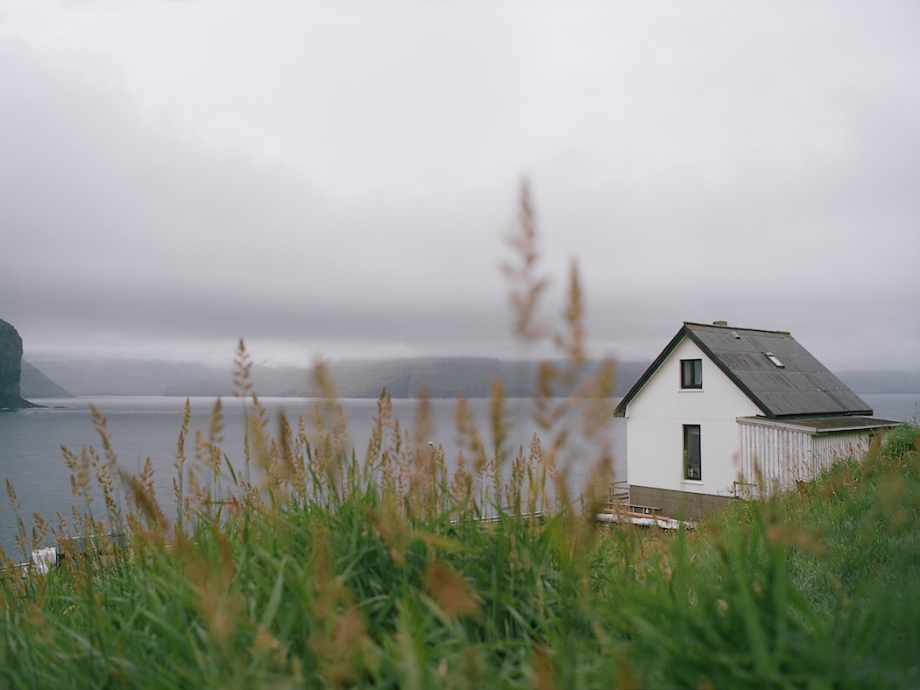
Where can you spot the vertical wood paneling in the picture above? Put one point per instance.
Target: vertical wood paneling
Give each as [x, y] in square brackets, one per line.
[775, 457]
[831, 448]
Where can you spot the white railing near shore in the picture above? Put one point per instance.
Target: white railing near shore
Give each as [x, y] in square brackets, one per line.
[42, 560]
[618, 493]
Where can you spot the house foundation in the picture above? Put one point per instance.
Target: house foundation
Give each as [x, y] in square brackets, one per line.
[677, 504]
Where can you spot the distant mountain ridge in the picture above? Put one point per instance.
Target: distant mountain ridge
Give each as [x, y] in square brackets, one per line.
[442, 377]
[125, 377]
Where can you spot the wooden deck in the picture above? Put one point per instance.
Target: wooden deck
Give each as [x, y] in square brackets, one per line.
[620, 509]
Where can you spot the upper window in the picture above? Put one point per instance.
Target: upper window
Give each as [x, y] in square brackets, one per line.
[691, 373]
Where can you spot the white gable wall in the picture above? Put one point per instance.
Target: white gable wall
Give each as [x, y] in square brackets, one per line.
[655, 419]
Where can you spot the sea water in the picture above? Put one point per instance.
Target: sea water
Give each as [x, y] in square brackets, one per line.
[144, 427]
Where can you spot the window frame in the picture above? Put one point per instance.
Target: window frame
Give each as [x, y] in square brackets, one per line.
[689, 465]
[776, 361]
[693, 367]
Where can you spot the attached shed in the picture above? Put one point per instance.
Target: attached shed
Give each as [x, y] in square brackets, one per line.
[776, 453]
[728, 412]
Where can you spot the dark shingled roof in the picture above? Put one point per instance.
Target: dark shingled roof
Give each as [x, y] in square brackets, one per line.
[802, 387]
[825, 425]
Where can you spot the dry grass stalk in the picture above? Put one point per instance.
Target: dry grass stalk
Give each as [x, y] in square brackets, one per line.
[179, 464]
[145, 499]
[526, 289]
[107, 471]
[393, 525]
[449, 590]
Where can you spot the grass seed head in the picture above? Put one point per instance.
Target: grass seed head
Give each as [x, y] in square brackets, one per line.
[448, 588]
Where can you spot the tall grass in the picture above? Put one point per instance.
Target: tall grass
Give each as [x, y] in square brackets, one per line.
[308, 567]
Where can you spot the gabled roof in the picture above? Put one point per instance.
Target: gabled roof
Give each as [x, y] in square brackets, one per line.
[794, 385]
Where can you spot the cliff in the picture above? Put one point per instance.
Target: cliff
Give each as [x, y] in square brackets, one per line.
[10, 368]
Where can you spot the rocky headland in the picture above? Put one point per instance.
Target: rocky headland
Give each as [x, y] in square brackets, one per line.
[10, 368]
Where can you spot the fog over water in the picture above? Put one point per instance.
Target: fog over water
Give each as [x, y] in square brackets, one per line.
[338, 179]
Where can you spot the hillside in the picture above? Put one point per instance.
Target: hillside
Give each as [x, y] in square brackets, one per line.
[34, 384]
[126, 377]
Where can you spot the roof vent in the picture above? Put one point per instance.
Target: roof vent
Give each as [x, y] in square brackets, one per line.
[735, 335]
[720, 323]
[773, 358]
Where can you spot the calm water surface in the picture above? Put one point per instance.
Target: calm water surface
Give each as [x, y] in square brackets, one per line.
[142, 427]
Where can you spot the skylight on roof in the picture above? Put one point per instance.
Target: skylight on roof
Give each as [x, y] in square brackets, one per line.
[773, 358]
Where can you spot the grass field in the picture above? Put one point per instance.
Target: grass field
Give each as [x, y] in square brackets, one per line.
[335, 573]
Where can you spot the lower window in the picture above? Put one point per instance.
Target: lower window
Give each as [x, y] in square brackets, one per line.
[693, 468]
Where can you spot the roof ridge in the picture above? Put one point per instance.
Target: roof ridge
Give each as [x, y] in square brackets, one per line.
[736, 328]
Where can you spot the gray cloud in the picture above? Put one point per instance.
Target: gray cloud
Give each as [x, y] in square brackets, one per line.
[340, 181]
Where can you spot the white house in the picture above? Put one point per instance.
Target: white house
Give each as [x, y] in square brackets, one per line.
[729, 412]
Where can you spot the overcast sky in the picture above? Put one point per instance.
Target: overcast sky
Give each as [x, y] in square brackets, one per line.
[338, 178]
